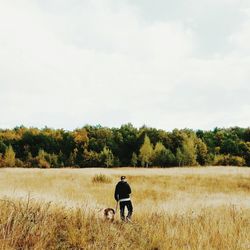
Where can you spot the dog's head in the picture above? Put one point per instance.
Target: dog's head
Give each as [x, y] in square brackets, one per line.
[109, 214]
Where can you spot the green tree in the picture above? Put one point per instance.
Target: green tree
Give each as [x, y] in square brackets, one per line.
[52, 159]
[2, 147]
[126, 142]
[72, 157]
[9, 157]
[201, 150]
[162, 156]
[180, 157]
[91, 158]
[146, 152]
[244, 148]
[107, 157]
[189, 152]
[41, 160]
[158, 157]
[229, 146]
[134, 159]
[1, 161]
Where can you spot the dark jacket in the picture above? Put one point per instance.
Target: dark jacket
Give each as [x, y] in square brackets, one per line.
[122, 190]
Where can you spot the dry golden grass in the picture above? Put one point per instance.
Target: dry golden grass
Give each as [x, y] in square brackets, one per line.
[101, 178]
[179, 208]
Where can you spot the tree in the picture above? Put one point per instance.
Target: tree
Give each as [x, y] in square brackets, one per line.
[126, 143]
[72, 157]
[80, 136]
[244, 148]
[9, 157]
[91, 158]
[134, 159]
[2, 147]
[189, 152]
[52, 159]
[201, 150]
[159, 155]
[1, 160]
[107, 157]
[146, 152]
[179, 157]
[229, 146]
[41, 161]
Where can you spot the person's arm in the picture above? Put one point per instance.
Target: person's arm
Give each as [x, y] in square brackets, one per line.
[129, 189]
[116, 195]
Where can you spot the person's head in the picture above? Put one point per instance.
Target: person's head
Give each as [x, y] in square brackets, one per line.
[123, 178]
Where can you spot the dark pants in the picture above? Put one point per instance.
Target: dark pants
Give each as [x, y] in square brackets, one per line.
[129, 206]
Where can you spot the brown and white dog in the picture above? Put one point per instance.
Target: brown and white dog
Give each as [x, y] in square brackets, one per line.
[109, 214]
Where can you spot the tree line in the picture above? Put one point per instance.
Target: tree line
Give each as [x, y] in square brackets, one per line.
[97, 146]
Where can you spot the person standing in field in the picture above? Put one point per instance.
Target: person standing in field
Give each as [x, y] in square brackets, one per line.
[122, 195]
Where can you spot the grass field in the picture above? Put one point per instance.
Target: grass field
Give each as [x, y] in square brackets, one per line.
[176, 208]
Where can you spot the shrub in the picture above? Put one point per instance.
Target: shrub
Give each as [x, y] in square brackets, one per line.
[101, 178]
[43, 164]
[20, 163]
[229, 160]
[52, 159]
[237, 161]
[43, 160]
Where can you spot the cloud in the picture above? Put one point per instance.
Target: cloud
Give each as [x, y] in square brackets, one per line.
[65, 64]
[241, 38]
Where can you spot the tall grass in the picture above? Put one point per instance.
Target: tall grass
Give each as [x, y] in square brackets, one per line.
[101, 178]
[173, 209]
[30, 225]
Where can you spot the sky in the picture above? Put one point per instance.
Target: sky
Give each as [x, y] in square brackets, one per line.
[163, 63]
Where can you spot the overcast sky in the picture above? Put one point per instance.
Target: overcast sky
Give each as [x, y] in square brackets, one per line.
[164, 63]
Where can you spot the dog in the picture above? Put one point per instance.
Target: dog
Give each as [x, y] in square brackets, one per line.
[109, 214]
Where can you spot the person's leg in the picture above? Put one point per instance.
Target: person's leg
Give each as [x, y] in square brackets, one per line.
[122, 208]
[130, 209]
